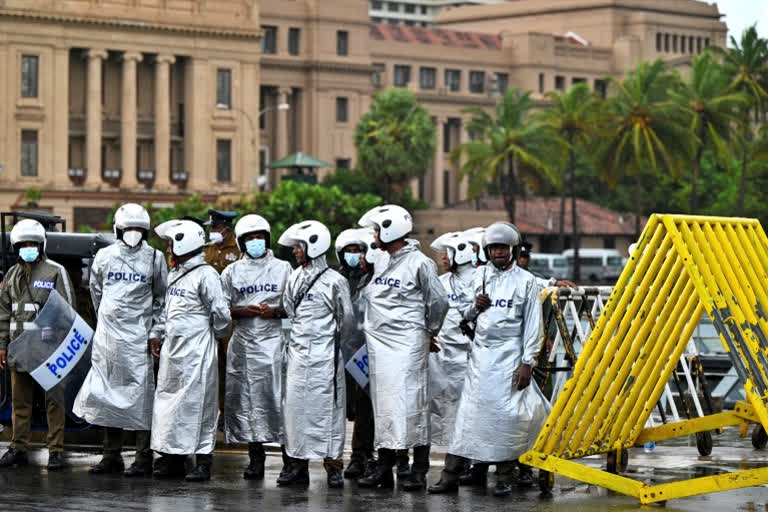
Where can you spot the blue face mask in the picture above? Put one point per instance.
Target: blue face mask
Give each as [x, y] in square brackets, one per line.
[352, 259]
[256, 247]
[474, 259]
[29, 254]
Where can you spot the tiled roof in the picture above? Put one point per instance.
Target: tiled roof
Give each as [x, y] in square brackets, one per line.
[438, 36]
[541, 216]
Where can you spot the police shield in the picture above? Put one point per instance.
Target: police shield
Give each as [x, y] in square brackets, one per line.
[56, 350]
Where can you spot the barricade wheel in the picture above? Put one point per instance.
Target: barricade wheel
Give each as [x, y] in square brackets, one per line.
[546, 482]
[704, 443]
[759, 437]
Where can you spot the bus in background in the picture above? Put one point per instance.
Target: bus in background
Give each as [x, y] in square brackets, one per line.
[548, 264]
[596, 265]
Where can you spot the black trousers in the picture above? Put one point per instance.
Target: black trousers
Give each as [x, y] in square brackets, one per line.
[113, 444]
[388, 458]
[455, 464]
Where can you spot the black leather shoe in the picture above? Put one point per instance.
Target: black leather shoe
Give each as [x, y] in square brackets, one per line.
[201, 473]
[335, 479]
[476, 476]
[286, 469]
[138, 469]
[105, 465]
[296, 475]
[381, 477]
[356, 469]
[415, 482]
[255, 470]
[502, 490]
[168, 467]
[56, 461]
[14, 458]
[443, 486]
[403, 469]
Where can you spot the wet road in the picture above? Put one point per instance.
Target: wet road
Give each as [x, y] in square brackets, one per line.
[73, 489]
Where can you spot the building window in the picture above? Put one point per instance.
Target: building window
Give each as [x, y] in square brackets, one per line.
[578, 80]
[410, 8]
[666, 42]
[502, 83]
[29, 153]
[224, 89]
[424, 11]
[223, 160]
[477, 81]
[658, 41]
[453, 80]
[342, 42]
[690, 44]
[427, 78]
[674, 43]
[393, 7]
[269, 39]
[29, 76]
[609, 242]
[294, 38]
[706, 43]
[447, 136]
[376, 4]
[560, 82]
[342, 106]
[698, 45]
[402, 75]
[342, 163]
[600, 87]
[377, 20]
[541, 82]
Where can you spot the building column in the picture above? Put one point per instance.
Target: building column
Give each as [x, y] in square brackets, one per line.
[59, 165]
[163, 121]
[282, 126]
[129, 176]
[439, 165]
[96, 59]
[463, 182]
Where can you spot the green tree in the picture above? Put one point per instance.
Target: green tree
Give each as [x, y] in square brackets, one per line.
[353, 182]
[746, 63]
[712, 107]
[571, 117]
[644, 130]
[395, 141]
[502, 141]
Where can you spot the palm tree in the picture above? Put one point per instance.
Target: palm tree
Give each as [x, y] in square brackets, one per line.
[571, 117]
[501, 141]
[713, 109]
[747, 65]
[643, 129]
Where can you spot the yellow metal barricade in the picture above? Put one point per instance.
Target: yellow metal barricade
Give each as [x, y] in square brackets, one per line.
[683, 266]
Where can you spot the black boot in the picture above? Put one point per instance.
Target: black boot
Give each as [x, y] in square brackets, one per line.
[169, 466]
[297, 474]
[106, 465]
[502, 489]
[56, 461]
[380, 477]
[335, 479]
[255, 469]
[202, 470]
[477, 475]
[139, 468]
[524, 476]
[356, 469]
[415, 482]
[14, 458]
[403, 467]
[444, 486]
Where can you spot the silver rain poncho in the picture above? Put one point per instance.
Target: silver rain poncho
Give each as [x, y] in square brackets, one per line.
[453, 356]
[255, 353]
[186, 408]
[128, 292]
[492, 414]
[313, 402]
[406, 307]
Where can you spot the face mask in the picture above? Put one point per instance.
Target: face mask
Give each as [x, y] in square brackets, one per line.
[132, 238]
[256, 248]
[216, 237]
[29, 254]
[474, 259]
[352, 259]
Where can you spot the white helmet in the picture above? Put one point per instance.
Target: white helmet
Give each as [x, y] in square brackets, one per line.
[350, 237]
[457, 246]
[186, 236]
[28, 230]
[313, 234]
[475, 237]
[501, 233]
[249, 224]
[131, 215]
[394, 222]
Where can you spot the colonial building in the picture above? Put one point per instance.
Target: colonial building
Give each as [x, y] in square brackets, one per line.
[421, 13]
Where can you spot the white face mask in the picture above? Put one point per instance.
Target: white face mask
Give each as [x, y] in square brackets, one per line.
[132, 238]
[215, 237]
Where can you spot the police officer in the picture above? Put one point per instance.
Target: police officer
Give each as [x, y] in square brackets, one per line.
[25, 290]
[186, 408]
[253, 286]
[317, 301]
[507, 309]
[406, 305]
[127, 282]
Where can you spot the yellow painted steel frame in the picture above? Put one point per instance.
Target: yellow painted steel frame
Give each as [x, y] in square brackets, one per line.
[682, 267]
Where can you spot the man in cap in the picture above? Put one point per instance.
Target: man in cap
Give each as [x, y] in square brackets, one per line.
[317, 301]
[253, 287]
[24, 292]
[405, 309]
[507, 310]
[127, 283]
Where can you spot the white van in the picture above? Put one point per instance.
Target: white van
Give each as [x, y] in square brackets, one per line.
[548, 264]
[596, 264]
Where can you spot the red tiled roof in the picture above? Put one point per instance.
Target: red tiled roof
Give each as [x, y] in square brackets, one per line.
[541, 216]
[407, 34]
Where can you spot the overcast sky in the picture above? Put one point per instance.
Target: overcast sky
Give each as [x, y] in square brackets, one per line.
[740, 14]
